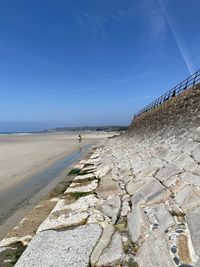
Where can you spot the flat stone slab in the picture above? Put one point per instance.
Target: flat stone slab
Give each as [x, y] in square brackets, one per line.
[155, 252]
[188, 198]
[111, 208]
[191, 178]
[101, 172]
[82, 187]
[133, 186]
[167, 172]
[6, 242]
[66, 215]
[151, 193]
[71, 248]
[102, 244]
[112, 255]
[137, 223]
[163, 216]
[196, 153]
[193, 219]
[88, 169]
[107, 188]
[84, 177]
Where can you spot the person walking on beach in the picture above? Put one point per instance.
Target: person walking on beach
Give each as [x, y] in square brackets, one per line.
[79, 138]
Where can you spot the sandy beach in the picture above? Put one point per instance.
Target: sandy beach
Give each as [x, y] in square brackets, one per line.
[25, 155]
[27, 162]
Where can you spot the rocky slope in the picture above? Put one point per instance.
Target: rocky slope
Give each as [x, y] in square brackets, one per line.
[135, 202]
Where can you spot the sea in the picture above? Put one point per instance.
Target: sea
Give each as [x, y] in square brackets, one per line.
[18, 133]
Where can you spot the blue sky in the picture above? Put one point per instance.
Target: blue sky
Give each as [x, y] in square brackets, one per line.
[91, 62]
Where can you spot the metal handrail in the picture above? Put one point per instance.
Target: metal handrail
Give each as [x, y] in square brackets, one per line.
[176, 90]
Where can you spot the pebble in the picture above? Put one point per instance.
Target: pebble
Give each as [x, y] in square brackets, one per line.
[179, 231]
[174, 249]
[176, 259]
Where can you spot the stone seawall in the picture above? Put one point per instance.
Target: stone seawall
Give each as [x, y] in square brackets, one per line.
[176, 116]
[134, 203]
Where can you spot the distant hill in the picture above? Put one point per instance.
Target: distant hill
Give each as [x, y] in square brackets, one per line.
[88, 128]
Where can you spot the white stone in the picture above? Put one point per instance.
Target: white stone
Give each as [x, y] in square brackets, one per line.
[84, 177]
[66, 215]
[111, 207]
[193, 219]
[113, 254]
[84, 188]
[137, 225]
[102, 171]
[191, 178]
[61, 248]
[155, 251]
[163, 216]
[167, 172]
[102, 244]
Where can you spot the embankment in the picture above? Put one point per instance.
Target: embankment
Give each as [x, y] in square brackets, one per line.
[177, 116]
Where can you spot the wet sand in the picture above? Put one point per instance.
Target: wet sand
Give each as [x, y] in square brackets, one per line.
[31, 166]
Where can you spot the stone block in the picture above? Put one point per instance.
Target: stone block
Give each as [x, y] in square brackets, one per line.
[163, 216]
[193, 219]
[112, 256]
[82, 187]
[61, 248]
[196, 153]
[102, 244]
[102, 171]
[107, 188]
[111, 207]
[65, 215]
[155, 251]
[191, 178]
[137, 223]
[167, 172]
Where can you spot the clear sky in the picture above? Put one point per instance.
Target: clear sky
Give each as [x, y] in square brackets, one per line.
[91, 62]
